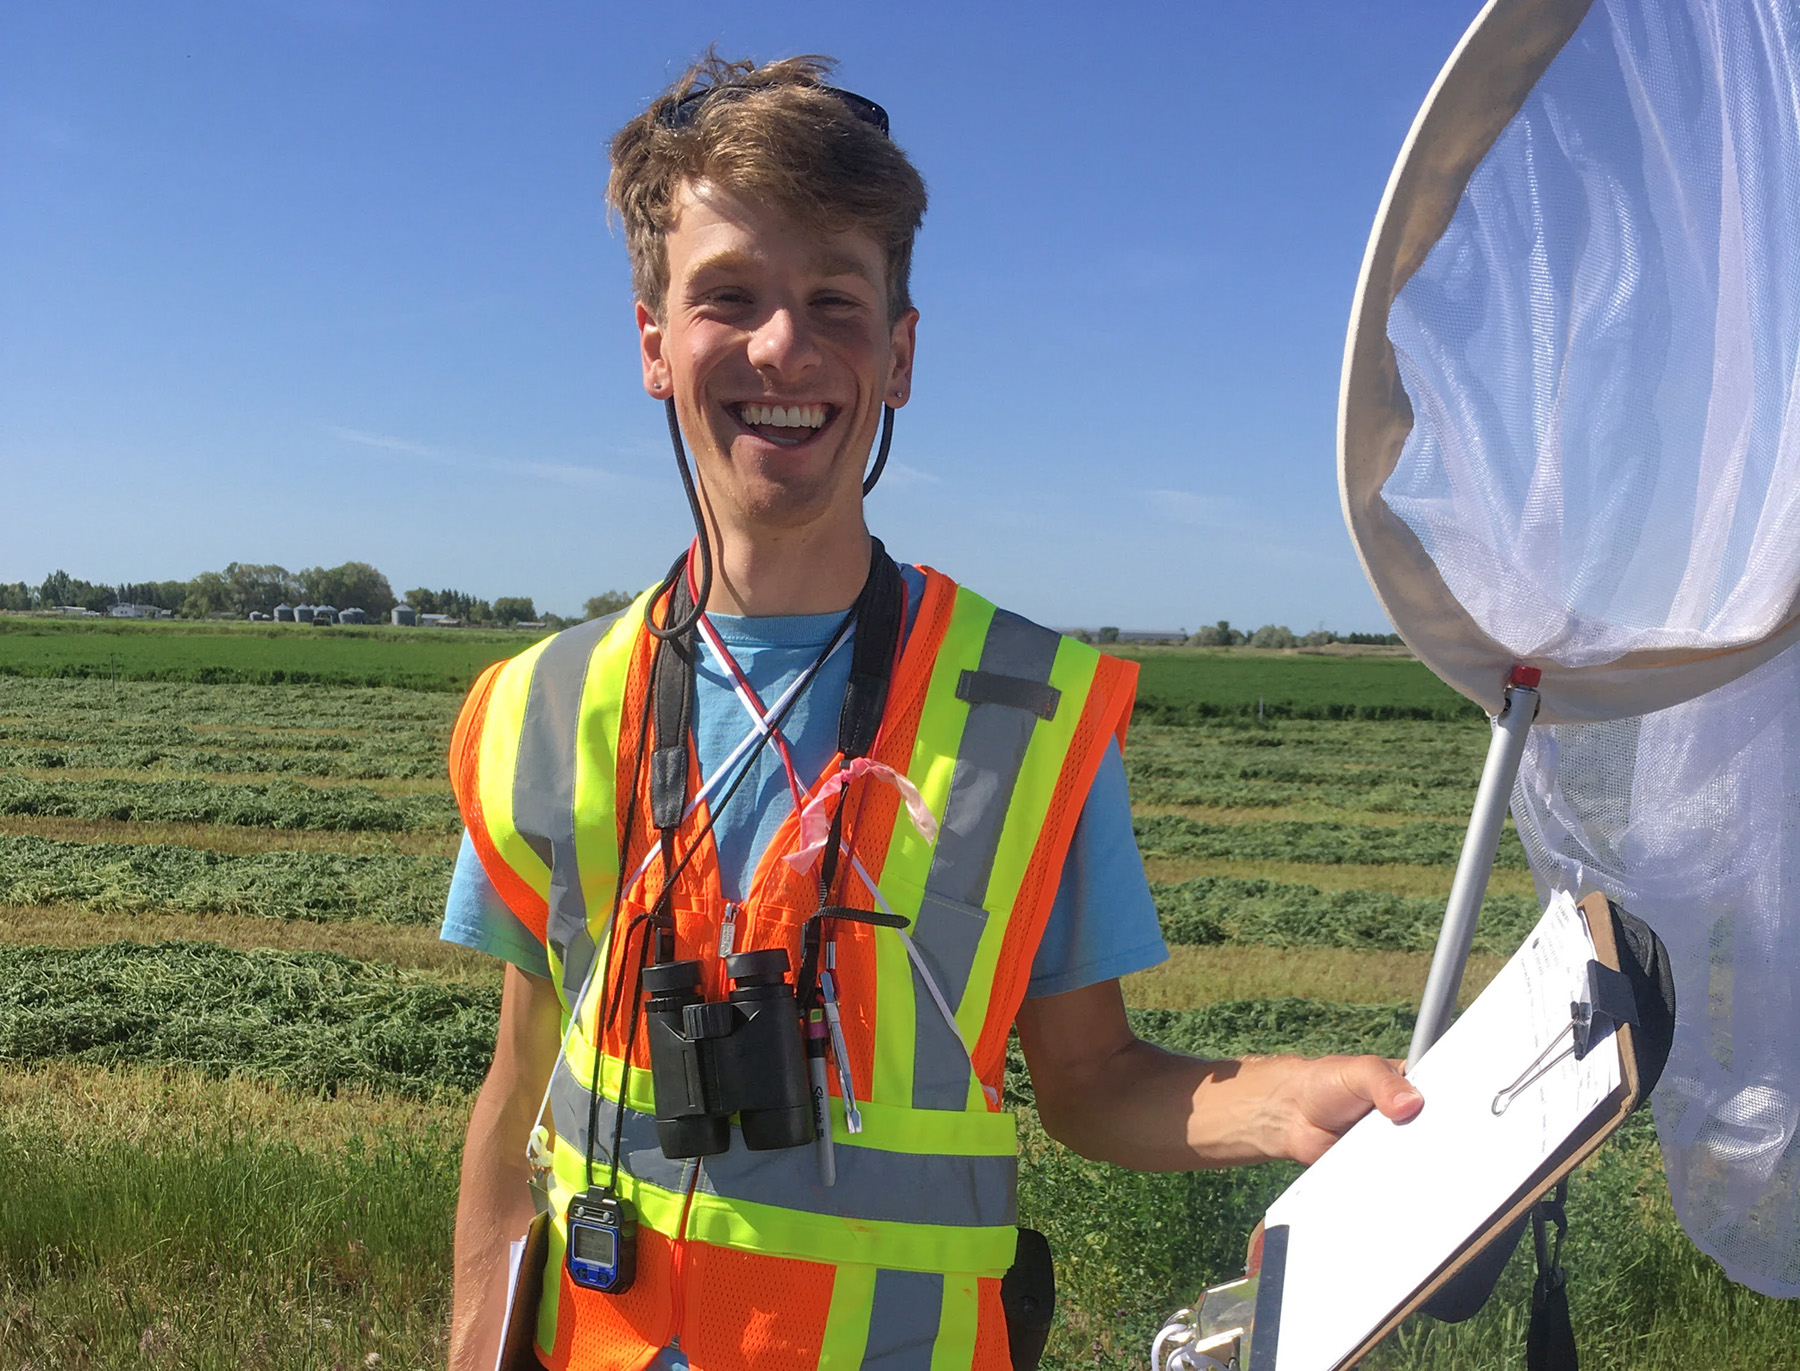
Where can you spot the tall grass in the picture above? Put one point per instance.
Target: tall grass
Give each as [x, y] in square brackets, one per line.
[208, 1249]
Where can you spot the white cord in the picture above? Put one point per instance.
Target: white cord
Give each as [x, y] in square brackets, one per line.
[758, 732]
[918, 961]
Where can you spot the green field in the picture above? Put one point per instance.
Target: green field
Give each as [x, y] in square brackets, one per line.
[225, 653]
[1189, 685]
[236, 1063]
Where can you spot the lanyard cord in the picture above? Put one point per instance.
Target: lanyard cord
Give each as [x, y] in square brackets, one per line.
[748, 697]
[649, 919]
[713, 782]
[605, 1012]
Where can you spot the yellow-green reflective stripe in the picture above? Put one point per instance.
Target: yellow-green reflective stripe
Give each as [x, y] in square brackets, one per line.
[751, 1227]
[656, 1206]
[909, 856]
[1051, 739]
[497, 760]
[957, 1323]
[847, 1323]
[822, 1238]
[596, 761]
[557, 1240]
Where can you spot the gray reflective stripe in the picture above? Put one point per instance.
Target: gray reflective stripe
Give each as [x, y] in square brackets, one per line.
[903, 1321]
[988, 759]
[872, 1186]
[544, 785]
[642, 1155]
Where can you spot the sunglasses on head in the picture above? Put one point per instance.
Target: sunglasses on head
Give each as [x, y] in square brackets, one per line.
[685, 110]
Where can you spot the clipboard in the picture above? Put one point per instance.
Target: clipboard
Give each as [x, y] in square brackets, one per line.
[524, 1290]
[1601, 1123]
[1239, 1324]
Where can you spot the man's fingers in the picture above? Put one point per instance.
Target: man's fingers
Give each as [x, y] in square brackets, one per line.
[1389, 1091]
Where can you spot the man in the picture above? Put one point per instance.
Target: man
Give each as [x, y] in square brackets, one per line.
[917, 799]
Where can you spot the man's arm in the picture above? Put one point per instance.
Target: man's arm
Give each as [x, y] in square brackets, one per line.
[1107, 1094]
[494, 1205]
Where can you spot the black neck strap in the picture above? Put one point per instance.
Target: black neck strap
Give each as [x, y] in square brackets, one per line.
[877, 615]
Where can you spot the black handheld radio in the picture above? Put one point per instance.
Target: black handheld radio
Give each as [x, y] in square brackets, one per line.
[602, 1251]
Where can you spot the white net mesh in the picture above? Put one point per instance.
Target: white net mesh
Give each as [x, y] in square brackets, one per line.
[1602, 354]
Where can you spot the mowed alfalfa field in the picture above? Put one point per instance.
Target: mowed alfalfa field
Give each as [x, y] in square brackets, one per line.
[236, 1062]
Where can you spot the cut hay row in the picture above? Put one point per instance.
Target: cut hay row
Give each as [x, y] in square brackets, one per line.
[292, 713]
[1327, 843]
[1195, 976]
[124, 878]
[1224, 909]
[277, 804]
[227, 837]
[315, 1021]
[348, 764]
[412, 946]
[308, 1020]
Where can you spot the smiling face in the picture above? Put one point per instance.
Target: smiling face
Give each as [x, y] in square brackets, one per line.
[776, 345]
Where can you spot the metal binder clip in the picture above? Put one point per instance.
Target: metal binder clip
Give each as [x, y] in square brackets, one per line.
[1609, 997]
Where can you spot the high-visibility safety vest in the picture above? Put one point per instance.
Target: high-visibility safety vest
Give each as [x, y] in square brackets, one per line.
[745, 1260]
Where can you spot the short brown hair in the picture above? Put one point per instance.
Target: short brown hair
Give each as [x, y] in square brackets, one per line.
[775, 133]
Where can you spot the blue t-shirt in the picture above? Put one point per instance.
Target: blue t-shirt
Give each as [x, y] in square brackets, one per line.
[1102, 925]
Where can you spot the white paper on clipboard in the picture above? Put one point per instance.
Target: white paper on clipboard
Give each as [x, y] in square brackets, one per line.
[515, 1258]
[1390, 1204]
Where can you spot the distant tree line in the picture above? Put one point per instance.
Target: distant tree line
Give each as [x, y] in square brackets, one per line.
[245, 588]
[1222, 634]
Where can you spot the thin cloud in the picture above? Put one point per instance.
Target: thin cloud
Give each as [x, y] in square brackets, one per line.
[45, 131]
[902, 477]
[1214, 513]
[558, 473]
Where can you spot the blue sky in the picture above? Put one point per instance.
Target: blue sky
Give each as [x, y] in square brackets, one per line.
[304, 281]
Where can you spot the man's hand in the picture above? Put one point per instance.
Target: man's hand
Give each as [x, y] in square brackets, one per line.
[1324, 1096]
[1108, 1095]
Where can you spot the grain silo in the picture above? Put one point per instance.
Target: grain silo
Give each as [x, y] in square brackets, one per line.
[284, 613]
[405, 615]
[324, 614]
[303, 614]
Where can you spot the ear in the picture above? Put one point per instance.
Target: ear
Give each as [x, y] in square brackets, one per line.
[900, 370]
[658, 380]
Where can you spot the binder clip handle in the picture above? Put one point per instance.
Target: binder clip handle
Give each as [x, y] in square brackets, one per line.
[1609, 997]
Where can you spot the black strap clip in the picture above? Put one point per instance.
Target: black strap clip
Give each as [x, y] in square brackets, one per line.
[1015, 692]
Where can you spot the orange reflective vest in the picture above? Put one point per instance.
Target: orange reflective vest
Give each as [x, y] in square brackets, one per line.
[745, 1260]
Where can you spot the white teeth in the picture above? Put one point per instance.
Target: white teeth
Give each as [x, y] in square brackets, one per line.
[785, 416]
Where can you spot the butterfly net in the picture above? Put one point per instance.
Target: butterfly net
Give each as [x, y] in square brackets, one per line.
[1571, 439]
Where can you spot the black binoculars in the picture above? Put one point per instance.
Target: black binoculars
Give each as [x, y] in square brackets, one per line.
[743, 1055]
